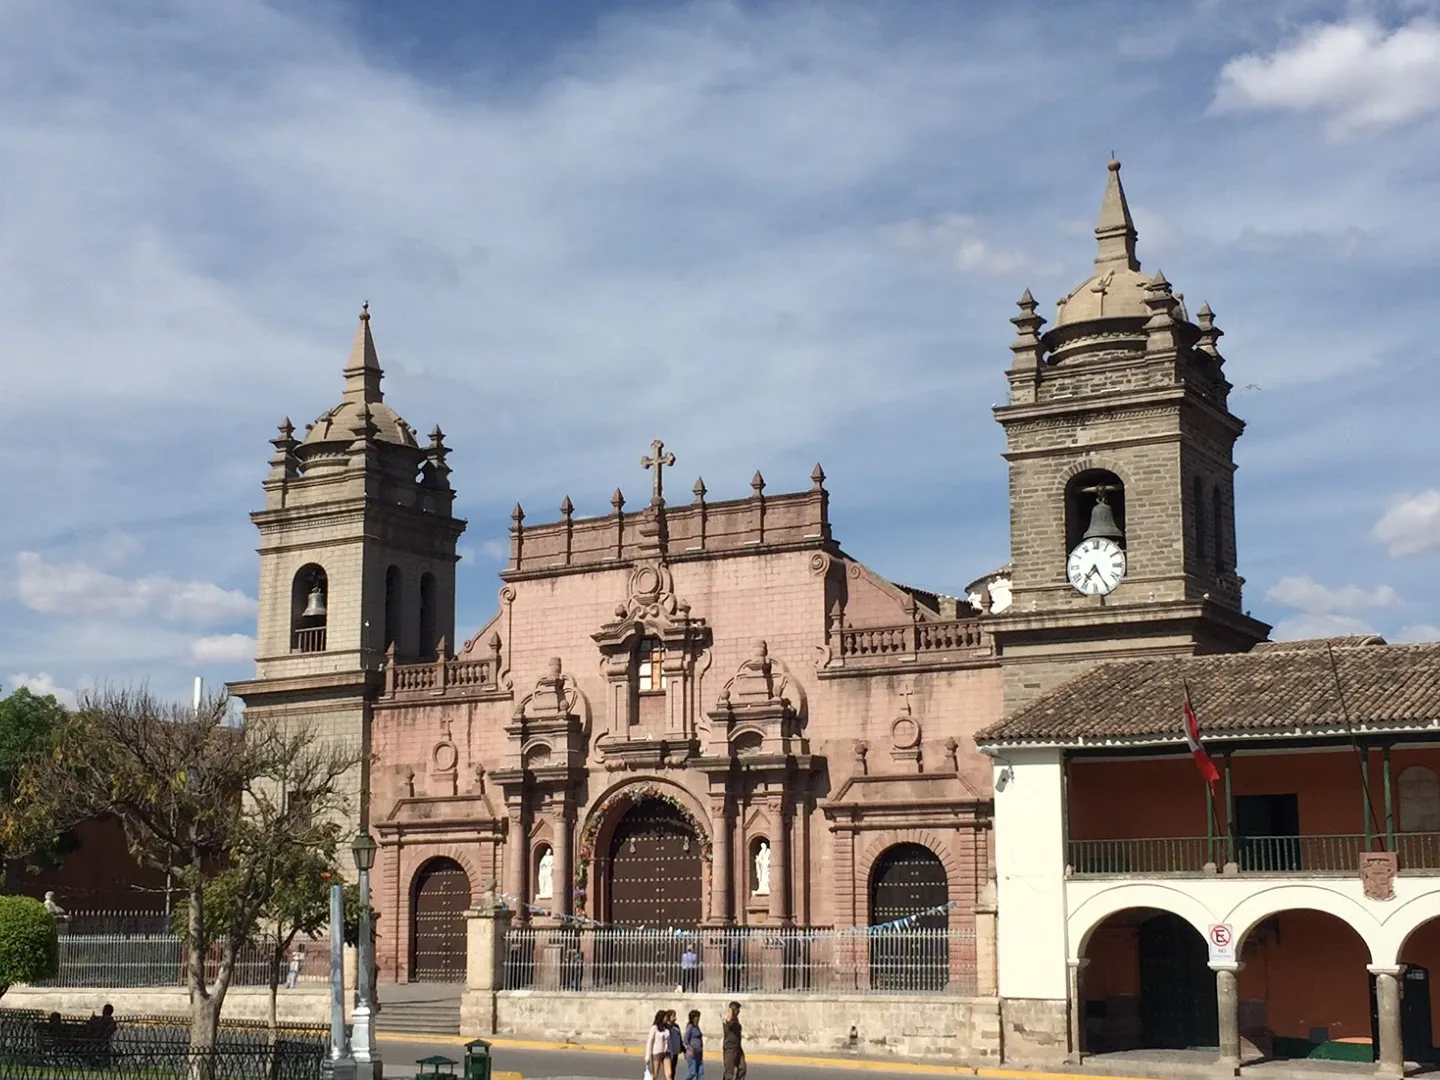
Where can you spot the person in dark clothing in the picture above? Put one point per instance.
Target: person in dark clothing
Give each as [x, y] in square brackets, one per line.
[695, 1047]
[677, 1046]
[732, 1047]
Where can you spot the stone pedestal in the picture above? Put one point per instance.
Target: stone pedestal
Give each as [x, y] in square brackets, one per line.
[487, 925]
[1227, 997]
[1390, 1054]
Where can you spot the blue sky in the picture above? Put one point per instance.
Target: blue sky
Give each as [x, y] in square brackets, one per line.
[769, 234]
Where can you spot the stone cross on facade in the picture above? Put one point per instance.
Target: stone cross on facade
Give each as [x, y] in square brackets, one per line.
[658, 460]
[905, 691]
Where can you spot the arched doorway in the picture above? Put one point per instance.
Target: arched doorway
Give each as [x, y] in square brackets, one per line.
[656, 869]
[1419, 1003]
[1148, 985]
[439, 900]
[1304, 989]
[909, 883]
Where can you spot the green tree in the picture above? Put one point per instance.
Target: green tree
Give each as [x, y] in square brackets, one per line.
[28, 722]
[224, 806]
[28, 946]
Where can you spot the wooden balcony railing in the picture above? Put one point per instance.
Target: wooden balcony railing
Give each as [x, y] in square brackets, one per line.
[309, 639]
[914, 640]
[1323, 854]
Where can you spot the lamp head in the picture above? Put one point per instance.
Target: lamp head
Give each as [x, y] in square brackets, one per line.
[363, 849]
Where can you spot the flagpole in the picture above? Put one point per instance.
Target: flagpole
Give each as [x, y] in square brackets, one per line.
[1372, 823]
[1212, 820]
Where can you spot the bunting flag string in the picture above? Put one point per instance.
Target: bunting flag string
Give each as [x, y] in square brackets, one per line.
[905, 923]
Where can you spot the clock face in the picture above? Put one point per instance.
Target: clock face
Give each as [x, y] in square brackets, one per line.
[1096, 566]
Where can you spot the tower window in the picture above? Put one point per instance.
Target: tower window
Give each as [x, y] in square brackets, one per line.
[651, 669]
[394, 593]
[1197, 490]
[428, 617]
[1094, 505]
[309, 596]
[1217, 514]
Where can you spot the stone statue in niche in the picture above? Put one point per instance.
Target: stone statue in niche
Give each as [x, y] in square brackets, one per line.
[545, 876]
[762, 868]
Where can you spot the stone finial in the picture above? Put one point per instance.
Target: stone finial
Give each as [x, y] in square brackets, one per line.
[437, 437]
[1115, 233]
[757, 483]
[1210, 334]
[554, 667]
[817, 478]
[761, 649]
[1160, 329]
[362, 370]
[621, 611]
[286, 429]
[617, 501]
[987, 602]
[517, 515]
[567, 508]
[699, 489]
[862, 750]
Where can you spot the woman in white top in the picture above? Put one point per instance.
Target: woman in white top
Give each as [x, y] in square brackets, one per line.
[657, 1047]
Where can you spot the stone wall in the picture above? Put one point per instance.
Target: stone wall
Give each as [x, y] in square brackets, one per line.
[961, 1029]
[1035, 1031]
[303, 1005]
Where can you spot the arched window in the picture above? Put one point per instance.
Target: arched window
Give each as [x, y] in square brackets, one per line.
[309, 607]
[1082, 494]
[428, 617]
[1419, 800]
[1197, 491]
[651, 667]
[1217, 513]
[393, 599]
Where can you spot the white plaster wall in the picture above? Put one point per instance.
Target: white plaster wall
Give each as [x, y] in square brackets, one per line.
[1244, 901]
[1030, 875]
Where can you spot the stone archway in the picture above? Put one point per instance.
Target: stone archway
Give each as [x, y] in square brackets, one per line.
[440, 896]
[656, 869]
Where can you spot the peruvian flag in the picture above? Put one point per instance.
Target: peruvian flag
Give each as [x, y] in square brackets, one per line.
[1192, 736]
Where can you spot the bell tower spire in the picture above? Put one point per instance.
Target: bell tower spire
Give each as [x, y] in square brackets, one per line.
[362, 370]
[1115, 234]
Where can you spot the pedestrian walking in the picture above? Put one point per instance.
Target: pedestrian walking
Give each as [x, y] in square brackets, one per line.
[732, 1046]
[677, 1044]
[695, 1047]
[657, 1048]
[292, 978]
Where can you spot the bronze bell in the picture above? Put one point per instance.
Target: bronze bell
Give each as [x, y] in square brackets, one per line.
[1102, 521]
[315, 605]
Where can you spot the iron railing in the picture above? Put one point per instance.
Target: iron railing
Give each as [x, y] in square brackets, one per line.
[1335, 853]
[36, 1047]
[742, 960]
[153, 960]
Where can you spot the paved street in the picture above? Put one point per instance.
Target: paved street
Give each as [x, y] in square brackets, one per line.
[593, 1065]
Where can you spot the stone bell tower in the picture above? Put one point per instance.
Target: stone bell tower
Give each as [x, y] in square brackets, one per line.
[1121, 445]
[357, 560]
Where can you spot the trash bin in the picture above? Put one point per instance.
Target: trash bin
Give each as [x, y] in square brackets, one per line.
[477, 1060]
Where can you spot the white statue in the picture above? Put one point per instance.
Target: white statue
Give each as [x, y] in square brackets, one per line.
[762, 869]
[545, 877]
[52, 906]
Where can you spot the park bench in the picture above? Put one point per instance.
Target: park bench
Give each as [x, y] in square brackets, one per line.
[74, 1042]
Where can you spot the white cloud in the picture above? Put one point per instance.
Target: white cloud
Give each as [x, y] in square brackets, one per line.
[1411, 524]
[1362, 77]
[1419, 632]
[223, 648]
[958, 235]
[497, 549]
[1309, 596]
[80, 589]
[40, 683]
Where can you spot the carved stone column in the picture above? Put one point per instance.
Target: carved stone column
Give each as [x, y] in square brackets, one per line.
[720, 870]
[515, 856]
[780, 867]
[565, 861]
[1227, 997]
[1390, 1056]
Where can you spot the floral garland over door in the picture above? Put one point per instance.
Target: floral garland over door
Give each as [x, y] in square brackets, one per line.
[619, 801]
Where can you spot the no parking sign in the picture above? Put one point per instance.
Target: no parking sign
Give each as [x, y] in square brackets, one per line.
[1221, 940]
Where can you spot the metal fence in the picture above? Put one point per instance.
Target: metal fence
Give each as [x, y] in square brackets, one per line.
[37, 1047]
[742, 960]
[152, 960]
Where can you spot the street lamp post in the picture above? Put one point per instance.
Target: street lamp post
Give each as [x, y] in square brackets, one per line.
[368, 1065]
[339, 1065]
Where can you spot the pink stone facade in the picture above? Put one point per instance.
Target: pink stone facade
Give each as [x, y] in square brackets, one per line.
[805, 701]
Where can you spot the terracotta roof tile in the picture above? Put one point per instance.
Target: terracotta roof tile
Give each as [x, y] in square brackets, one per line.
[1286, 687]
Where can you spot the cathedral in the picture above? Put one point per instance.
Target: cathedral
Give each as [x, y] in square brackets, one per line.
[707, 712]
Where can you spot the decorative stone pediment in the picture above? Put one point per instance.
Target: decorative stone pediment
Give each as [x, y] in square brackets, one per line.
[886, 800]
[442, 814]
[760, 711]
[651, 609]
[549, 725]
